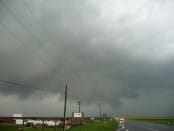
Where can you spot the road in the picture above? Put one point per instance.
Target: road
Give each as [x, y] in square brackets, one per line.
[145, 126]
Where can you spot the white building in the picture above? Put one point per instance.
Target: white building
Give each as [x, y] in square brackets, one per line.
[18, 121]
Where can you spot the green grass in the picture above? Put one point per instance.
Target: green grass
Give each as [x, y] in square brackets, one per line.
[6, 127]
[158, 120]
[108, 125]
[45, 129]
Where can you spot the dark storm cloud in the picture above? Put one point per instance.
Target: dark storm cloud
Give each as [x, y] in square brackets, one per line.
[104, 51]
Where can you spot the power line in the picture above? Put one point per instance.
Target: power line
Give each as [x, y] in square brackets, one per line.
[38, 21]
[12, 33]
[23, 86]
[19, 85]
[19, 20]
[11, 83]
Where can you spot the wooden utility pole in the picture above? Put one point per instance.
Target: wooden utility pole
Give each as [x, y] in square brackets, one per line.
[79, 119]
[100, 111]
[42, 125]
[79, 105]
[55, 126]
[22, 124]
[64, 120]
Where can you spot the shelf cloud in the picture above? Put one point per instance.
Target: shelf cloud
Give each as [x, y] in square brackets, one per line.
[118, 52]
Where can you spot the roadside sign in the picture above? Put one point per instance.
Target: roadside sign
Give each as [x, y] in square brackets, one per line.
[77, 115]
[17, 115]
[77, 118]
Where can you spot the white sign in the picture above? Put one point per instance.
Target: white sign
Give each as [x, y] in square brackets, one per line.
[19, 121]
[77, 115]
[17, 115]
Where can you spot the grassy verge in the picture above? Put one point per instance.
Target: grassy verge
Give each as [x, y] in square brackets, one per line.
[108, 125]
[7, 127]
[45, 129]
[159, 120]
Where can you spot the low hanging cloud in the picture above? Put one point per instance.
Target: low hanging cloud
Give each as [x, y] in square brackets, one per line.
[104, 51]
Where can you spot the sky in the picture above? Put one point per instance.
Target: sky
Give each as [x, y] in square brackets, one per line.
[117, 53]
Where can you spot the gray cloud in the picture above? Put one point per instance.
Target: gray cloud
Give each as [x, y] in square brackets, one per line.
[106, 52]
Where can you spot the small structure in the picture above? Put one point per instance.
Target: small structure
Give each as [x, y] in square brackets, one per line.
[18, 121]
[7, 120]
[77, 118]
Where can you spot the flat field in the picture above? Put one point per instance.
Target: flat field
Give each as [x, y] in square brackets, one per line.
[159, 120]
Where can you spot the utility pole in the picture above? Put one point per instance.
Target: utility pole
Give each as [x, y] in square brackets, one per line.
[65, 108]
[100, 111]
[79, 105]
[23, 124]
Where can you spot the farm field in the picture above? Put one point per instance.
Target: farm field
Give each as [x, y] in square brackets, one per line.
[160, 120]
